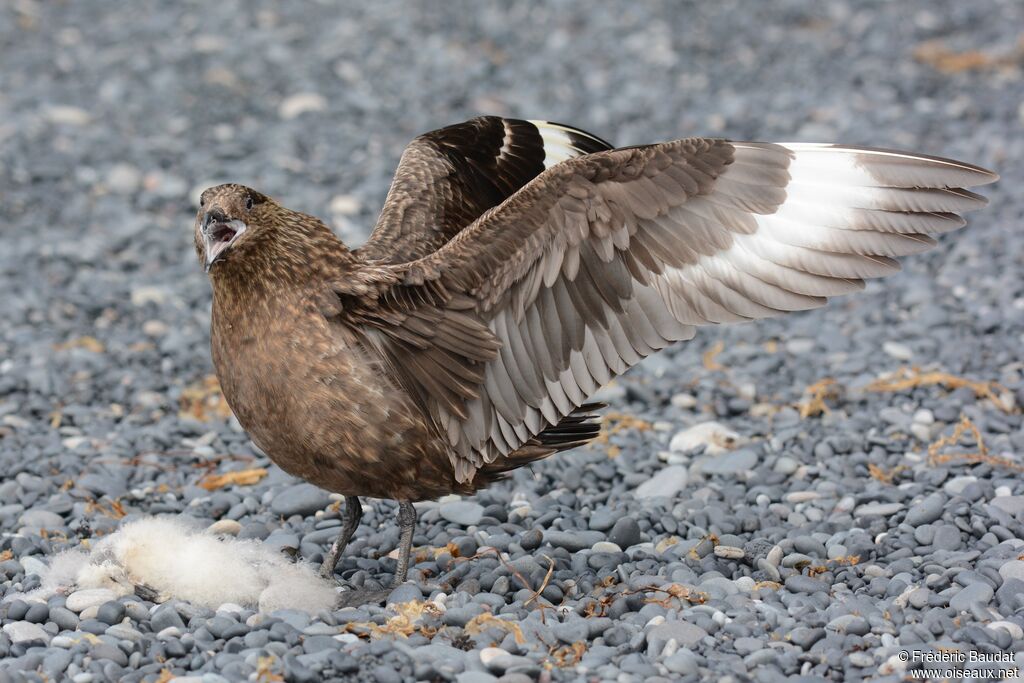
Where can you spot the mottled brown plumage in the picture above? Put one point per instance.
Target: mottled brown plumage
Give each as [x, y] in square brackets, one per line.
[518, 266]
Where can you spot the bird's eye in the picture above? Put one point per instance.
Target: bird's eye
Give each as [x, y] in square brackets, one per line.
[248, 203]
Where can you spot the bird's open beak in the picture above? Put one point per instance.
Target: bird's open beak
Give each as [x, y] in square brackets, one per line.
[218, 235]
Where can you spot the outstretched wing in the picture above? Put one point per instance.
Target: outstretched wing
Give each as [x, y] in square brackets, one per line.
[604, 259]
[447, 178]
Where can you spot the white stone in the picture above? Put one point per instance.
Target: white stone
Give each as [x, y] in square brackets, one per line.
[799, 346]
[715, 437]
[229, 607]
[489, 654]
[897, 350]
[684, 401]
[66, 642]
[956, 485]
[729, 552]
[225, 527]
[745, 584]
[893, 665]
[67, 115]
[345, 205]
[154, 328]
[26, 632]
[606, 547]
[802, 496]
[90, 597]
[296, 105]
[921, 432]
[924, 416]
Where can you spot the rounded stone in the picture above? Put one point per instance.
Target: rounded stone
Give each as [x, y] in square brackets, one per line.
[81, 600]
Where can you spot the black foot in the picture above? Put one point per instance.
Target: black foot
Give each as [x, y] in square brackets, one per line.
[360, 597]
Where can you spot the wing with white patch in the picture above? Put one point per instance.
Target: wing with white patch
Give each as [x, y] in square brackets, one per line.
[604, 259]
[448, 178]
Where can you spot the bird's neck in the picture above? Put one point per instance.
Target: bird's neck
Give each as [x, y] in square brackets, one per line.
[299, 258]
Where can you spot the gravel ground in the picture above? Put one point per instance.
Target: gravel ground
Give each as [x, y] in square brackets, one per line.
[812, 544]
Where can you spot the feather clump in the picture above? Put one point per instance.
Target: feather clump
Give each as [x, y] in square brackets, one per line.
[179, 561]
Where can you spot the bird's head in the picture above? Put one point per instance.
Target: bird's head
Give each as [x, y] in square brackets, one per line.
[240, 233]
[230, 217]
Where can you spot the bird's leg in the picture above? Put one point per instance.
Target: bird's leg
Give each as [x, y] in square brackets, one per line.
[407, 522]
[353, 513]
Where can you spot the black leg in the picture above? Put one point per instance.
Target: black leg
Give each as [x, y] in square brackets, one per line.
[353, 513]
[407, 522]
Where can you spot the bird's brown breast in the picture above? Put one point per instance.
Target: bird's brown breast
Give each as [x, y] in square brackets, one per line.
[316, 402]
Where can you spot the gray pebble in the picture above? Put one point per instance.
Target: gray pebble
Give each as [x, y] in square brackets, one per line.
[407, 592]
[877, 509]
[572, 541]
[65, 619]
[682, 632]
[111, 612]
[43, 519]
[462, 512]
[300, 499]
[805, 584]
[927, 510]
[625, 533]
[971, 595]
[804, 637]
[946, 537]
[166, 616]
[38, 613]
[667, 482]
[730, 463]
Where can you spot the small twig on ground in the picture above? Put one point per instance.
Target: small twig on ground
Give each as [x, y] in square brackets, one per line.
[711, 354]
[211, 482]
[486, 620]
[965, 426]
[905, 379]
[564, 657]
[674, 590]
[823, 390]
[884, 476]
[526, 584]
[613, 423]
